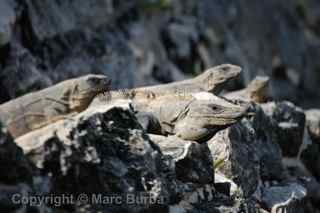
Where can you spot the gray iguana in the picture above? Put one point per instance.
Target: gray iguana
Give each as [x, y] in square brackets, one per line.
[190, 118]
[37, 109]
[256, 91]
[212, 80]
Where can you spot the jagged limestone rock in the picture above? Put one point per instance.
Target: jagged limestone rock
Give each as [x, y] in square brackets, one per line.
[17, 172]
[282, 199]
[290, 125]
[102, 150]
[193, 161]
[246, 152]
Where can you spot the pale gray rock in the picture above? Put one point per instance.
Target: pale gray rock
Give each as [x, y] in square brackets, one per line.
[313, 124]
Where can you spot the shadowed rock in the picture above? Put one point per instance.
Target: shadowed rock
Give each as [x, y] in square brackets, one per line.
[101, 151]
[290, 125]
[193, 161]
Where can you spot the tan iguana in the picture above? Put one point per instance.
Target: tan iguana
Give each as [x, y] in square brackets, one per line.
[212, 80]
[37, 109]
[256, 91]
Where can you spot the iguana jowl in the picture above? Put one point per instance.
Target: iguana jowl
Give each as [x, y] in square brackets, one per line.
[37, 109]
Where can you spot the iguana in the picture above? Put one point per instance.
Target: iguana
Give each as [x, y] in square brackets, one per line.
[256, 91]
[37, 109]
[191, 117]
[212, 80]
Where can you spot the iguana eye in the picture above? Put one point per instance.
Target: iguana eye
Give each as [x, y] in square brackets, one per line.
[215, 107]
[94, 81]
[226, 68]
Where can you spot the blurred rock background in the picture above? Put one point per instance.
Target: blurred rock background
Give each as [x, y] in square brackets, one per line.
[142, 42]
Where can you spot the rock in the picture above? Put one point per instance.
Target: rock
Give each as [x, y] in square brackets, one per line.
[150, 53]
[181, 37]
[106, 150]
[206, 199]
[285, 198]
[20, 60]
[17, 172]
[246, 152]
[62, 41]
[313, 189]
[193, 161]
[12, 160]
[103, 150]
[68, 39]
[50, 18]
[296, 172]
[313, 124]
[149, 122]
[290, 125]
[219, 178]
[11, 197]
[310, 154]
[7, 20]
[237, 162]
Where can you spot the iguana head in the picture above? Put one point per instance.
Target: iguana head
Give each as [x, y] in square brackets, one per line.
[85, 88]
[258, 89]
[217, 77]
[205, 117]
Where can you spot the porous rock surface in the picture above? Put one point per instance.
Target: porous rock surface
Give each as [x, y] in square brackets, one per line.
[252, 166]
[104, 150]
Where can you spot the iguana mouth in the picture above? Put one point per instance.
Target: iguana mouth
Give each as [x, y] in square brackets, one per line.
[90, 93]
[103, 89]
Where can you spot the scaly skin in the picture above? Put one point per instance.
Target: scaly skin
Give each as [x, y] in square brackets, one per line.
[37, 109]
[212, 80]
[190, 118]
[256, 91]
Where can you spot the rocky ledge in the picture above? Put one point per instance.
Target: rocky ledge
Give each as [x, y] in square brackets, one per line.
[104, 160]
